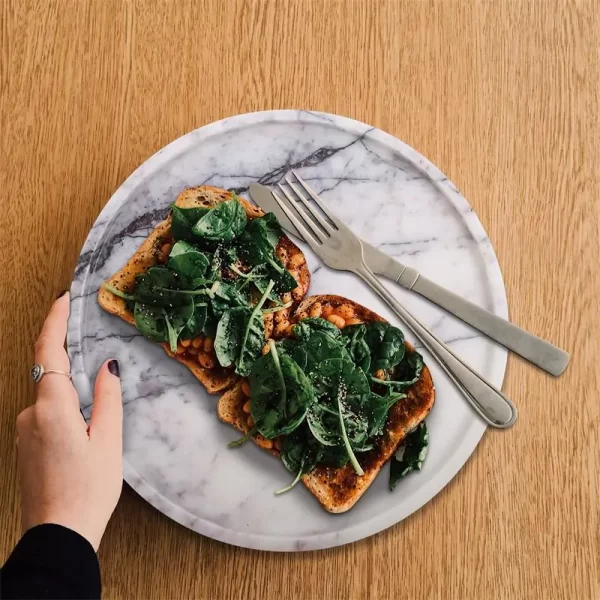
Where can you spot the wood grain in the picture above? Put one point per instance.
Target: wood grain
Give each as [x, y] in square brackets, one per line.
[502, 96]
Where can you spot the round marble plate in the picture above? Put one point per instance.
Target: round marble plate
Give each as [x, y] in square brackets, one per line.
[175, 449]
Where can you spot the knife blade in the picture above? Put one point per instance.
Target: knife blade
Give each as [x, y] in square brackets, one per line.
[545, 355]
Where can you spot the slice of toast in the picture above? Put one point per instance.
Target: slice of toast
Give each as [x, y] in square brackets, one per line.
[149, 254]
[338, 489]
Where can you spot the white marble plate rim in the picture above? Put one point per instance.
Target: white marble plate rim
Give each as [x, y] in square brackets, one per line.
[493, 275]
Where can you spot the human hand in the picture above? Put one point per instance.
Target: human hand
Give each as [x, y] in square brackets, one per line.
[70, 475]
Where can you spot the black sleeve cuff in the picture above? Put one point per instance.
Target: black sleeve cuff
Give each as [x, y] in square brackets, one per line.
[51, 561]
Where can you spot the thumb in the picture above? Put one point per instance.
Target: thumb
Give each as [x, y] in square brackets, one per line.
[106, 423]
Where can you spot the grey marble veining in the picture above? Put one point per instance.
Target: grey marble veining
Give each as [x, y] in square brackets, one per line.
[175, 449]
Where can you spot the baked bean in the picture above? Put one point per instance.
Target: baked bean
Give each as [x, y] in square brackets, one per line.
[197, 342]
[250, 422]
[268, 320]
[264, 442]
[297, 293]
[281, 327]
[380, 374]
[180, 348]
[246, 387]
[326, 311]
[165, 250]
[353, 321]
[287, 297]
[345, 311]
[208, 345]
[336, 320]
[281, 254]
[281, 315]
[246, 407]
[186, 343]
[316, 309]
[206, 361]
[297, 260]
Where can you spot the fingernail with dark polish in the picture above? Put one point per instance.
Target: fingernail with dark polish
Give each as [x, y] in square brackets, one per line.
[113, 367]
[61, 294]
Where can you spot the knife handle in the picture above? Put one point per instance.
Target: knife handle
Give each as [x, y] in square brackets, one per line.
[491, 404]
[545, 355]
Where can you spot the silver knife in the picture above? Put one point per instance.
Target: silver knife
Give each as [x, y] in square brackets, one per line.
[534, 349]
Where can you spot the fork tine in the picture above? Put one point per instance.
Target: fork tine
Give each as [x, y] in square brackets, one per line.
[315, 213]
[318, 201]
[299, 208]
[314, 243]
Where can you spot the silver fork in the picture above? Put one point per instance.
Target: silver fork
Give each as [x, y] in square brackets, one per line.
[340, 249]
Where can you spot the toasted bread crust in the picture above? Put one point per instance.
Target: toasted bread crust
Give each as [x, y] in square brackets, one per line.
[148, 254]
[338, 489]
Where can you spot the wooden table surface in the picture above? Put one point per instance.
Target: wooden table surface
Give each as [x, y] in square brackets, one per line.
[502, 96]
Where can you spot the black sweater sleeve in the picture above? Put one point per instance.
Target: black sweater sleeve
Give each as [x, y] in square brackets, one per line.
[51, 561]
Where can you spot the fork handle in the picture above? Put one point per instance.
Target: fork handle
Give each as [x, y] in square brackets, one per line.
[491, 404]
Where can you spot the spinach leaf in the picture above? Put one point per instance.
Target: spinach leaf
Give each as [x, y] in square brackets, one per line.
[147, 292]
[333, 378]
[287, 346]
[240, 333]
[323, 423]
[359, 350]
[406, 374]
[284, 280]
[410, 455]
[216, 264]
[150, 322]
[410, 369]
[230, 256]
[345, 416]
[317, 349]
[280, 394]
[261, 285]
[196, 323]
[253, 337]
[228, 338]
[228, 296]
[224, 222]
[358, 391]
[257, 247]
[241, 441]
[305, 328]
[189, 262]
[386, 343]
[333, 456]
[299, 456]
[117, 292]
[259, 240]
[183, 219]
[379, 407]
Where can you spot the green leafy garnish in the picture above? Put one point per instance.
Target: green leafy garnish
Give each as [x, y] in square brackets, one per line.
[189, 262]
[183, 219]
[280, 394]
[346, 409]
[410, 455]
[256, 246]
[113, 290]
[225, 222]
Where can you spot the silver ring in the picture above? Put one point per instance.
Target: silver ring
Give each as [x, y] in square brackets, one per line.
[38, 371]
